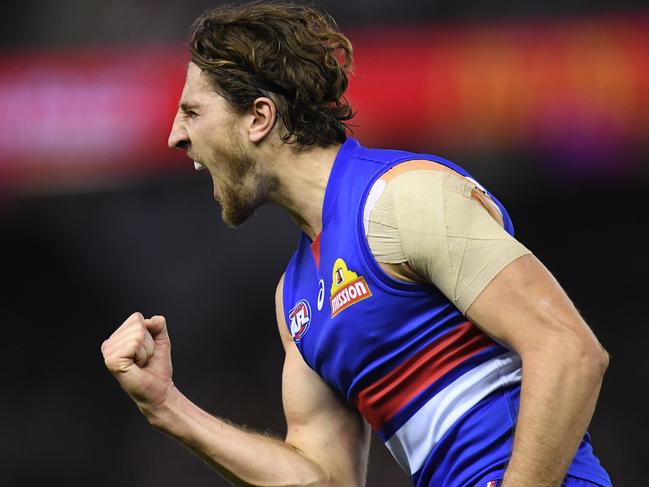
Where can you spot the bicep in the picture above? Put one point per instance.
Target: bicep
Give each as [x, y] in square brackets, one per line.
[525, 307]
[320, 425]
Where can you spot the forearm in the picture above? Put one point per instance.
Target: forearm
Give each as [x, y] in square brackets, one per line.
[558, 395]
[245, 458]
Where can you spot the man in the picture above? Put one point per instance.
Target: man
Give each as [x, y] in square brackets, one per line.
[397, 251]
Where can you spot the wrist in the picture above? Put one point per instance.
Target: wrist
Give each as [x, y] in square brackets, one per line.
[159, 413]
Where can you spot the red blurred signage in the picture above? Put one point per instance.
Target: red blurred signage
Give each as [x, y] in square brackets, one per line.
[87, 111]
[579, 89]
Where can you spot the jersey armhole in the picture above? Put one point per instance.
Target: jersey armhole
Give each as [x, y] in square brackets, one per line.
[288, 276]
[371, 196]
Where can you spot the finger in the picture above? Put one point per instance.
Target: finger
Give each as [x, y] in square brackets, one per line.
[141, 356]
[137, 316]
[145, 351]
[121, 351]
[156, 325]
[134, 318]
[149, 346]
[129, 323]
[118, 342]
[120, 359]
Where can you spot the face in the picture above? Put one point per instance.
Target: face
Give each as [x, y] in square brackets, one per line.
[214, 136]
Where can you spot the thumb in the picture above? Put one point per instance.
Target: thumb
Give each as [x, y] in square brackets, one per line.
[157, 326]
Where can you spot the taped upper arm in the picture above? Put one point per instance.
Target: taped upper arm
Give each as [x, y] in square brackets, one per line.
[320, 425]
[446, 233]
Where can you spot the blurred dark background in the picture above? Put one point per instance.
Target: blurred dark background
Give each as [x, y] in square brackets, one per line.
[546, 103]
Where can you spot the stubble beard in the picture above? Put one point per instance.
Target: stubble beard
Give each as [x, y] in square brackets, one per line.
[244, 188]
[236, 205]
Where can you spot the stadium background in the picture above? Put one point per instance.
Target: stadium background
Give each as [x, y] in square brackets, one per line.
[547, 103]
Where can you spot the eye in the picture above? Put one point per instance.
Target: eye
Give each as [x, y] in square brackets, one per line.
[191, 114]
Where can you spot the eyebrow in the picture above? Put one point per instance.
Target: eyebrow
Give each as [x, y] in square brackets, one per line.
[188, 107]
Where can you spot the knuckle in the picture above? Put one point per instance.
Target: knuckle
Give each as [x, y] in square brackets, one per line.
[135, 318]
[134, 327]
[109, 362]
[139, 335]
[107, 346]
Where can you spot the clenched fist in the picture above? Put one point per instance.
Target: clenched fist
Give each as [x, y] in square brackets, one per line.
[138, 354]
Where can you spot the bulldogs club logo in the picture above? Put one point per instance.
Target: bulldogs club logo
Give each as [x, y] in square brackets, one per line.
[347, 288]
[300, 319]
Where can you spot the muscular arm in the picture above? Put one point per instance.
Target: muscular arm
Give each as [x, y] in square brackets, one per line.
[318, 421]
[563, 366]
[326, 444]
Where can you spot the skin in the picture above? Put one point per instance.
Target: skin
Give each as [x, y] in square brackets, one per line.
[327, 443]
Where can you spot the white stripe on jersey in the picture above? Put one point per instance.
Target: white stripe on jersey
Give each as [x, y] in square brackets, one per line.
[412, 443]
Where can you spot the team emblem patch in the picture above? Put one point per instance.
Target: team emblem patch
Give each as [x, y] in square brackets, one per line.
[300, 319]
[347, 288]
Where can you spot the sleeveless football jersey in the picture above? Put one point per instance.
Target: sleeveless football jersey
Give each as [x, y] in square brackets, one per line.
[441, 394]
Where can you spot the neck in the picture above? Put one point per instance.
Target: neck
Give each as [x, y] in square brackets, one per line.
[302, 178]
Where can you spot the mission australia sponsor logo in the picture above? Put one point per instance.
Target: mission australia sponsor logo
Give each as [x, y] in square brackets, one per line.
[300, 319]
[347, 288]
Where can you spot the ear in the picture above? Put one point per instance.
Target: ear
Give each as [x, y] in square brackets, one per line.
[262, 119]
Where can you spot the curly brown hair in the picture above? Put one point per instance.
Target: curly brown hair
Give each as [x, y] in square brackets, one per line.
[291, 53]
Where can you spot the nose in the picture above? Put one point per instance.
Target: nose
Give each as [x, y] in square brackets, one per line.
[178, 138]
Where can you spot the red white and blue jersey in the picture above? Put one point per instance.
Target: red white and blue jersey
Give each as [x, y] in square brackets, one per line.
[441, 394]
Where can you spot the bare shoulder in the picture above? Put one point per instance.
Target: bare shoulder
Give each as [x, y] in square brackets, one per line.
[287, 340]
[279, 291]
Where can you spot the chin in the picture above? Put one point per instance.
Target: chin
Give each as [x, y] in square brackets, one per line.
[237, 205]
[233, 216]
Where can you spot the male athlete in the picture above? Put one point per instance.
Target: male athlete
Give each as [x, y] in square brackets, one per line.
[408, 306]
